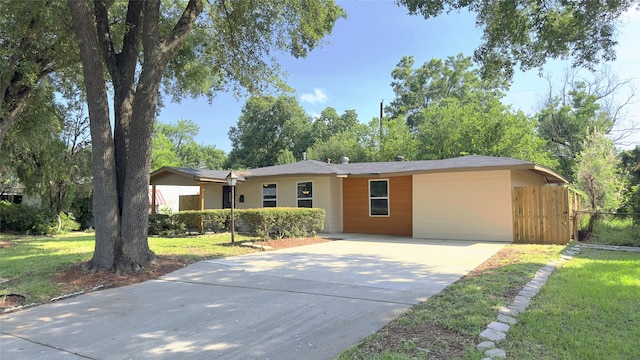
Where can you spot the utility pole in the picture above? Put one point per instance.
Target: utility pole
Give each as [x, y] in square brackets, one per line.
[380, 126]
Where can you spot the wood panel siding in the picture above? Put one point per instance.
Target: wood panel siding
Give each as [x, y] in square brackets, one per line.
[356, 218]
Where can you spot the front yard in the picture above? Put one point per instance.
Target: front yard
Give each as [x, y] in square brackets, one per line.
[41, 268]
[587, 310]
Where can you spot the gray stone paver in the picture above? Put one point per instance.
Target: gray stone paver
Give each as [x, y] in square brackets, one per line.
[493, 335]
[507, 319]
[498, 326]
[496, 354]
[486, 345]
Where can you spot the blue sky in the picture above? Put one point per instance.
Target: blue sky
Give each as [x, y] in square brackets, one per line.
[353, 68]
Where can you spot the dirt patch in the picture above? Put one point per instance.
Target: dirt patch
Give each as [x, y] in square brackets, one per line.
[287, 243]
[11, 300]
[5, 244]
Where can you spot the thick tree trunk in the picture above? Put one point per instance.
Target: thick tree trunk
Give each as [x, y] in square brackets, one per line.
[122, 163]
[105, 200]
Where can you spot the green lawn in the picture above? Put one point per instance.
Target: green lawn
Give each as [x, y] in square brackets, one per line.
[590, 309]
[30, 262]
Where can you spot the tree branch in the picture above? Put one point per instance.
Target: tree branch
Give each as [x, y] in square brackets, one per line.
[182, 27]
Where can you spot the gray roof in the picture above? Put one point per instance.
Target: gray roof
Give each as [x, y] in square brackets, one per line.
[313, 167]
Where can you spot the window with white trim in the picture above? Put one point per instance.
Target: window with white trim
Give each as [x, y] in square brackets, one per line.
[305, 194]
[378, 197]
[269, 195]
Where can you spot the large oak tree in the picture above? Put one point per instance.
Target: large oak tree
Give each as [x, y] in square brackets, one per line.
[197, 49]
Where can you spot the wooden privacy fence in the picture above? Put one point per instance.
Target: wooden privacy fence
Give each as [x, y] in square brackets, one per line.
[189, 202]
[543, 214]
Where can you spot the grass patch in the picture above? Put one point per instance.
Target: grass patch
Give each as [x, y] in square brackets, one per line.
[30, 263]
[587, 310]
[615, 231]
[447, 325]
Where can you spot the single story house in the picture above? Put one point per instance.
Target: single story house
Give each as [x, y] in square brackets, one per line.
[464, 198]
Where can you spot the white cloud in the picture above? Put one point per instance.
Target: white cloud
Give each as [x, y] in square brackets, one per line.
[318, 97]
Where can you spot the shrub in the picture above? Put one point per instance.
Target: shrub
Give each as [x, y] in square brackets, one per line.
[163, 224]
[24, 219]
[264, 223]
[282, 222]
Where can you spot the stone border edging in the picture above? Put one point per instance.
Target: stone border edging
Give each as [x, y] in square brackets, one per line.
[496, 331]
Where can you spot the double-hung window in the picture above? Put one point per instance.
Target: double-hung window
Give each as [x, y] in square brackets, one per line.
[378, 197]
[269, 195]
[305, 194]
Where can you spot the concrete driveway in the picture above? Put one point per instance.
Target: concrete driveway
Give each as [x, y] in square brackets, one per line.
[308, 302]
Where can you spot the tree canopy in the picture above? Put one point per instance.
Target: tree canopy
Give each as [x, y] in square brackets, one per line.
[34, 44]
[175, 145]
[268, 126]
[455, 77]
[526, 34]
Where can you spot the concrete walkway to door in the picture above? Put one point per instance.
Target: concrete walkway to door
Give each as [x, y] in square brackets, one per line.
[309, 302]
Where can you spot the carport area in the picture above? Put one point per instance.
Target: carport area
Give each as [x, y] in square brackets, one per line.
[308, 302]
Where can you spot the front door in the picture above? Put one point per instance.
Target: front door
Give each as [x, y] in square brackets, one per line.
[226, 197]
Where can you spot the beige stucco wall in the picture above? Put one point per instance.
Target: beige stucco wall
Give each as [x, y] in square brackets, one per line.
[474, 205]
[327, 194]
[526, 178]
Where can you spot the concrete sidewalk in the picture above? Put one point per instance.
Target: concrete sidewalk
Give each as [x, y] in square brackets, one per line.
[307, 302]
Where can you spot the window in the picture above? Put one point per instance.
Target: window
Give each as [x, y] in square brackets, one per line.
[305, 194]
[379, 197]
[269, 195]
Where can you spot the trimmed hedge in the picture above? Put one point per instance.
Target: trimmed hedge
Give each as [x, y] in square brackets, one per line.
[282, 222]
[264, 223]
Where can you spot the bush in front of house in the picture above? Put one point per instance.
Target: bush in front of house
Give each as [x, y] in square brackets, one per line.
[282, 222]
[264, 223]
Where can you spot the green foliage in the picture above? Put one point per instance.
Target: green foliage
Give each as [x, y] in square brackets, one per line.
[37, 44]
[279, 222]
[267, 127]
[23, 219]
[282, 222]
[619, 230]
[330, 123]
[528, 33]
[348, 143]
[164, 224]
[175, 145]
[454, 128]
[565, 122]
[388, 139]
[630, 162]
[598, 173]
[285, 157]
[418, 89]
[234, 48]
[48, 149]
